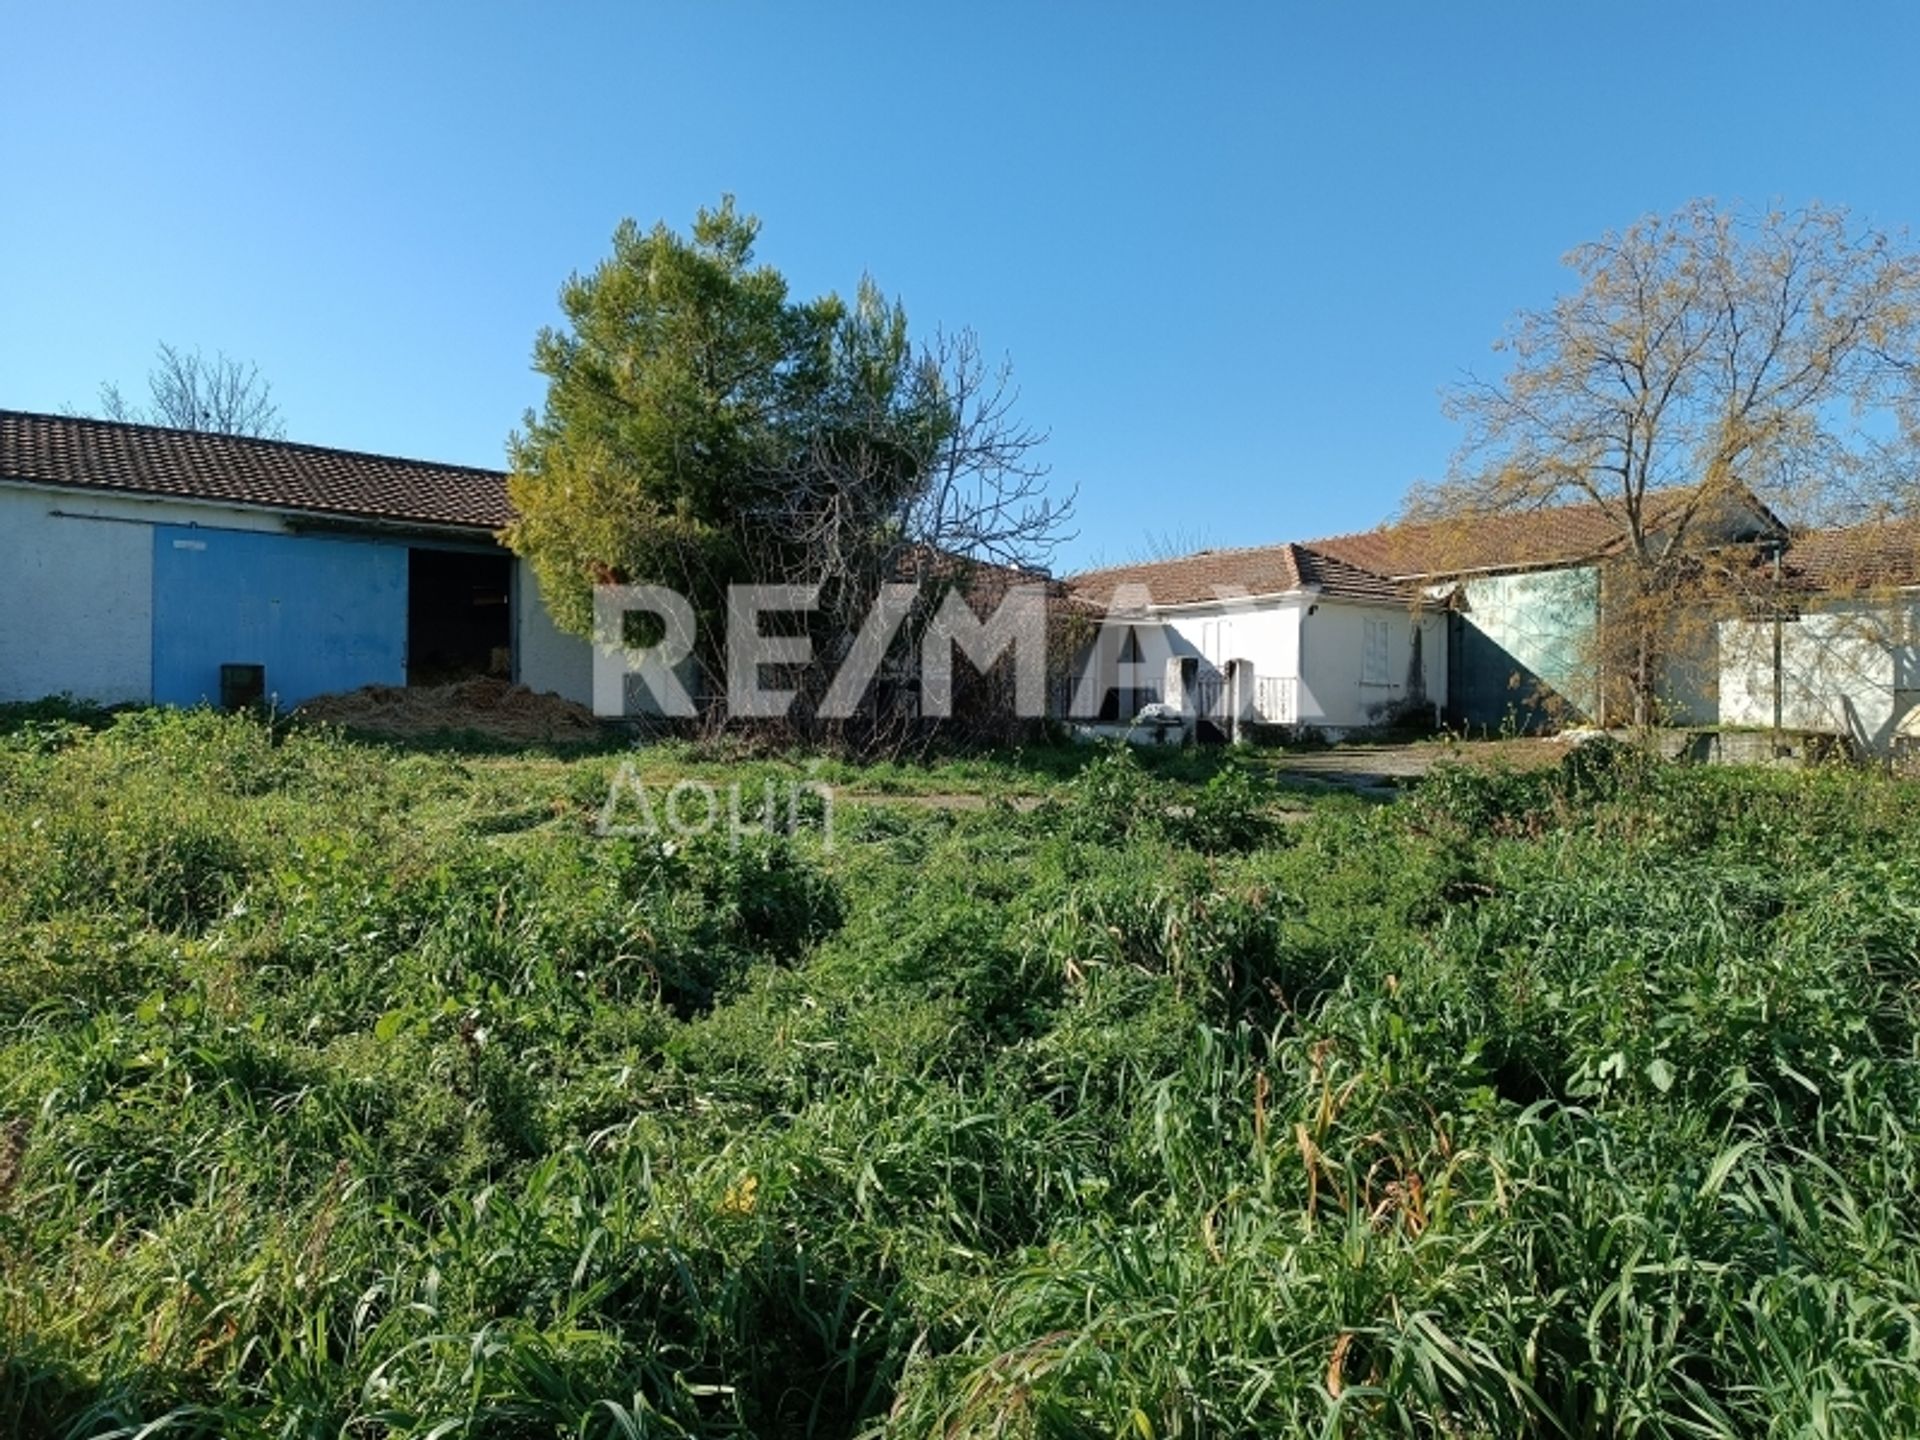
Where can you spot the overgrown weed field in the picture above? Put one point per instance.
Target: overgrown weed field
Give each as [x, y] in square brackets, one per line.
[351, 1091]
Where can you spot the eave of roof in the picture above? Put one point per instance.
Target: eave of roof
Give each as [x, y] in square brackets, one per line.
[86, 455]
[1238, 577]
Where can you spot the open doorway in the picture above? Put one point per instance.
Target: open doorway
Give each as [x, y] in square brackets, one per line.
[459, 616]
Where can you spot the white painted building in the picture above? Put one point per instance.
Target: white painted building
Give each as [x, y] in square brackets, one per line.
[1489, 626]
[1281, 635]
[1842, 655]
[136, 561]
[1486, 624]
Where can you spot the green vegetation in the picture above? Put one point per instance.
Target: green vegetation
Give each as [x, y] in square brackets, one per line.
[347, 1091]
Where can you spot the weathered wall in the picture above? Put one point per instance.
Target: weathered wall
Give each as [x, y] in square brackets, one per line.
[1520, 650]
[78, 572]
[1689, 680]
[1337, 692]
[546, 658]
[1850, 669]
[320, 613]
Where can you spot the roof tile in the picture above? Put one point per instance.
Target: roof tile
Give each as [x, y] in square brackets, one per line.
[191, 465]
[1227, 574]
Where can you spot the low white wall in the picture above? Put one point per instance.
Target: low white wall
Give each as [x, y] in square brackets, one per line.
[1850, 669]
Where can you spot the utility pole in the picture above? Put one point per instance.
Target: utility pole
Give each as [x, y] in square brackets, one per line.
[1778, 707]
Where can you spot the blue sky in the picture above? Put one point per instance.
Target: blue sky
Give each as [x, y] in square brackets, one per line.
[1233, 251]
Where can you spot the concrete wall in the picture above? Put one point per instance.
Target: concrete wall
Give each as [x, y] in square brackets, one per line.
[546, 658]
[1849, 669]
[1337, 692]
[77, 571]
[1521, 649]
[1689, 679]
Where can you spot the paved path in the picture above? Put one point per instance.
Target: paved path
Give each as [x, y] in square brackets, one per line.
[1369, 769]
[1383, 769]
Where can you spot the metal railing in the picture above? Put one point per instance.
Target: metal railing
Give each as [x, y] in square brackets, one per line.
[1276, 699]
[1272, 702]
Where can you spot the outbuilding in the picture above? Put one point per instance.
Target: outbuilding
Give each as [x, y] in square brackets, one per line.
[144, 564]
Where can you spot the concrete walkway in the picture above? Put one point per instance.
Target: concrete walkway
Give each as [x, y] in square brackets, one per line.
[1381, 770]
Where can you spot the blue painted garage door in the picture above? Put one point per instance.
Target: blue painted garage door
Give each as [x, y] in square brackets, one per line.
[320, 614]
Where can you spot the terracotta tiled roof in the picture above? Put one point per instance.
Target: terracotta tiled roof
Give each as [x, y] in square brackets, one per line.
[1563, 535]
[1387, 563]
[1523, 540]
[184, 464]
[1853, 557]
[1255, 571]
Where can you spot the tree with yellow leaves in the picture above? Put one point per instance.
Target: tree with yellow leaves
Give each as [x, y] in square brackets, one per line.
[1717, 376]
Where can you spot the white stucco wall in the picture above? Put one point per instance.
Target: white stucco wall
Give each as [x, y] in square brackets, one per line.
[1334, 690]
[78, 575]
[546, 658]
[77, 567]
[1850, 669]
[1320, 645]
[1267, 632]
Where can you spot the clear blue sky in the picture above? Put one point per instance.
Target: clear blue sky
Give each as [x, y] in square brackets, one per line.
[1233, 251]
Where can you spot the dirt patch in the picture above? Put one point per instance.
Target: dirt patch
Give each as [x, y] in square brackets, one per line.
[1530, 753]
[482, 706]
[1381, 769]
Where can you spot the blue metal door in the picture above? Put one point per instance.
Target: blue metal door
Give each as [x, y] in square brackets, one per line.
[321, 614]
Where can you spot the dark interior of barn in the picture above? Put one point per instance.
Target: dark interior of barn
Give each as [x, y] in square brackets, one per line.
[459, 616]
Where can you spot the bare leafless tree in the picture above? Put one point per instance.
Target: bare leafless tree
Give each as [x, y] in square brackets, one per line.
[941, 490]
[1706, 361]
[188, 391]
[1168, 544]
[985, 495]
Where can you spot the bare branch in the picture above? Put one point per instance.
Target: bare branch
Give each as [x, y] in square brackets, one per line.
[190, 392]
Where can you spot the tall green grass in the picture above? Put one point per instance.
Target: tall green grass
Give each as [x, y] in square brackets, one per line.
[353, 1092]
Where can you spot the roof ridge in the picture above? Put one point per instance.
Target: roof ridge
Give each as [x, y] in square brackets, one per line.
[221, 437]
[1189, 556]
[1386, 526]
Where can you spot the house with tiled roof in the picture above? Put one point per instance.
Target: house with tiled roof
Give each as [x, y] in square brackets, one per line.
[144, 562]
[1285, 635]
[1482, 622]
[1835, 646]
[154, 565]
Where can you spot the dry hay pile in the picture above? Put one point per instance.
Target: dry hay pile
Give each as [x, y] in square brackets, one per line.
[482, 705]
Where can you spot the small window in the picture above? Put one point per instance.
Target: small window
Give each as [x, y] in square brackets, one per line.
[1373, 658]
